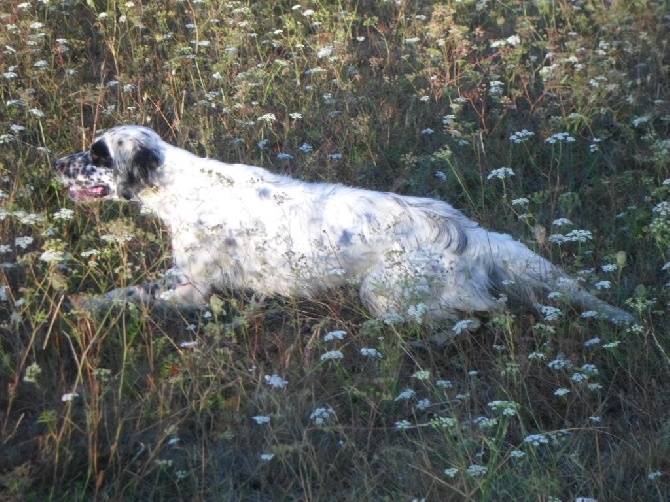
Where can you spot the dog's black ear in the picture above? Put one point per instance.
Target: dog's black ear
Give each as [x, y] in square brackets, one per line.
[145, 162]
[100, 155]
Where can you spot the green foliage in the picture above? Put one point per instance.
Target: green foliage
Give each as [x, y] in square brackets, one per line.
[519, 113]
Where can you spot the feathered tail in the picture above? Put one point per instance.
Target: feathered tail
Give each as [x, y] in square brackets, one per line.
[523, 275]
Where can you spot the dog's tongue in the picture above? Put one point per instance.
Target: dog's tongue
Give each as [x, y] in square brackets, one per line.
[87, 194]
[98, 191]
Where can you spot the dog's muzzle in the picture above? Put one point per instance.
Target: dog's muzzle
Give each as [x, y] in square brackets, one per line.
[85, 181]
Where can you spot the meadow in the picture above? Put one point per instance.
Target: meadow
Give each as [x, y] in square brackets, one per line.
[548, 120]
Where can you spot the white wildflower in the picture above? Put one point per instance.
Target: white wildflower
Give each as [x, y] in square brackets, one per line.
[417, 312]
[334, 335]
[267, 118]
[54, 256]
[442, 422]
[507, 408]
[551, 313]
[333, 354]
[423, 404]
[403, 424]
[521, 136]
[421, 375]
[578, 377]
[560, 137]
[369, 352]
[500, 173]
[536, 439]
[325, 52]
[560, 363]
[463, 325]
[405, 395]
[321, 415]
[654, 475]
[23, 242]
[477, 470]
[561, 221]
[451, 472]
[275, 381]
[579, 236]
[603, 285]
[63, 214]
[592, 342]
[639, 121]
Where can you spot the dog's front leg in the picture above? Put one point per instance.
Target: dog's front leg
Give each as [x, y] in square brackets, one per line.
[141, 294]
[173, 290]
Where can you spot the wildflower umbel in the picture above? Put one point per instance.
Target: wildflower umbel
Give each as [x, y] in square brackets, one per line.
[275, 381]
[332, 355]
[501, 173]
[507, 408]
[322, 414]
[334, 335]
[521, 136]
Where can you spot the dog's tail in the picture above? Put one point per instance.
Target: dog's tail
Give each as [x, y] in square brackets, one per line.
[525, 276]
[515, 271]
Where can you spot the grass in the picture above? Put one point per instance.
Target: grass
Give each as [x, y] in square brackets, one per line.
[427, 98]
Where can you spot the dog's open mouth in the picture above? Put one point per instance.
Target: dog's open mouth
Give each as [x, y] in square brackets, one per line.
[90, 193]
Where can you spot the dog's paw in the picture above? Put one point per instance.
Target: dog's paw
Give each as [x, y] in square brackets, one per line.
[119, 297]
[154, 297]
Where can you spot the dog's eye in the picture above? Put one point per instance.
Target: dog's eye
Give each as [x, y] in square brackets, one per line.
[88, 170]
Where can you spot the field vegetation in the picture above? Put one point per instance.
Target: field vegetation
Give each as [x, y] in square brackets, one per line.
[546, 119]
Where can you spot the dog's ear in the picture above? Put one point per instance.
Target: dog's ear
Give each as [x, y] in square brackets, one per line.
[145, 162]
[141, 173]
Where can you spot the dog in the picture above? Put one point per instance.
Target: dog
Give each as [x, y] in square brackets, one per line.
[242, 227]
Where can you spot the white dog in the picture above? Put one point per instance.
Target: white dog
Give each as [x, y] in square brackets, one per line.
[239, 226]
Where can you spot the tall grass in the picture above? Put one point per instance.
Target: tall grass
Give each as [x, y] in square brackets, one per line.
[547, 120]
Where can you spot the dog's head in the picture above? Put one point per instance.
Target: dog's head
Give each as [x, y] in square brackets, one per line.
[120, 163]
